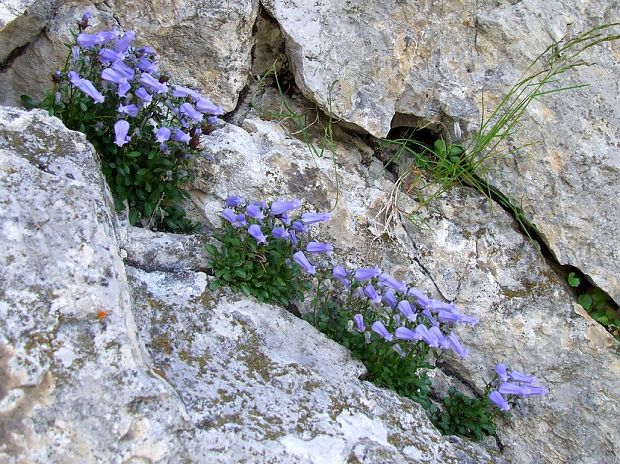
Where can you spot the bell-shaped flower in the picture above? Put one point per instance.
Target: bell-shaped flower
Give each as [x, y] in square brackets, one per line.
[358, 319]
[441, 338]
[372, 294]
[132, 110]
[143, 95]
[233, 201]
[255, 212]
[124, 69]
[280, 233]
[340, 274]
[403, 333]
[498, 400]
[430, 339]
[236, 220]
[406, 310]
[387, 280]
[301, 259]
[313, 218]
[389, 298]
[85, 40]
[86, 86]
[366, 273]
[502, 372]
[162, 135]
[300, 227]
[522, 378]
[153, 84]
[146, 65]
[124, 42]
[378, 328]
[121, 128]
[255, 231]
[181, 136]
[318, 247]
[204, 105]
[108, 56]
[107, 36]
[293, 237]
[282, 206]
[182, 92]
[420, 298]
[188, 110]
[456, 345]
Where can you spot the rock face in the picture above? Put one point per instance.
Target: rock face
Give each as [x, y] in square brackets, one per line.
[21, 21]
[470, 254]
[392, 63]
[205, 44]
[74, 382]
[260, 385]
[229, 380]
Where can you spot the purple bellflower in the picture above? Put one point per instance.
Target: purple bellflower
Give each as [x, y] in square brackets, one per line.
[233, 201]
[188, 110]
[86, 86]
[109, 56]
[313, 218]
[162, 135]
[300, 227]
[282, 206]
[204, 105]
[123, 43]
[405, 308]
[456, 346]
[146, 65]
[502, 372]
[389, 298]
[143, 95]
[372, 295]
[403, 333]
[182, 92]
[366, 274]
[131, 110]
[236, 220]
[254, 212]
[280, 233]
[498, 400]
[153, 84]
[120, 129]
[387, 280]
[378, 328]
[85, 40]
[255, 231]
[340, 274]
[300, 259]
[181, 136]
[318, 247]
[358, 319]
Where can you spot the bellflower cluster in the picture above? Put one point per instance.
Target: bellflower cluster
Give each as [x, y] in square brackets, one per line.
[263, 248]
[145, 128]
[399, 313]
[512, 384]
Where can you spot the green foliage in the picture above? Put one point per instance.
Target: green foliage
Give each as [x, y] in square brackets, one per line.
[451, 164]
[262, 271]
[596, 302]
[146, 177]
[465, 416]
[403, 371]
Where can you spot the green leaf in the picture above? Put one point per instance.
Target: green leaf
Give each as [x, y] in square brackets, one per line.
[573, 280]
[585, 300]
[133, 154]
[211, 249]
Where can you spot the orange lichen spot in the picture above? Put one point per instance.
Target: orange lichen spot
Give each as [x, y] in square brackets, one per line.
[102, 314]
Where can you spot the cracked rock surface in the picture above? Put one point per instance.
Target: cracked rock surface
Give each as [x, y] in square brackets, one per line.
[105, 363]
